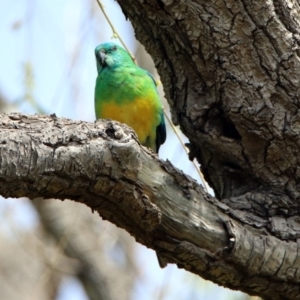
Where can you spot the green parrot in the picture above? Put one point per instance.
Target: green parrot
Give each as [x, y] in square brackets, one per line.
[126, 93]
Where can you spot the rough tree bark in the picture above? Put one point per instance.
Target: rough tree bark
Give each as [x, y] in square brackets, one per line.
[103, 166]
[230, 71]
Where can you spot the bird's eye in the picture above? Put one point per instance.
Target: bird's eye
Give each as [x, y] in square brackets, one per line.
[114, 48]
[102, 51]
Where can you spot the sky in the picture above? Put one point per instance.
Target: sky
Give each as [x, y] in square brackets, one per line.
[47, 65]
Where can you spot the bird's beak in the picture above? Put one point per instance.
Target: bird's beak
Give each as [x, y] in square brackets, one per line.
[103, 58]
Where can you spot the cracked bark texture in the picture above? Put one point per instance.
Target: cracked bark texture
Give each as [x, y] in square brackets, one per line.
[230, 71]
[103, 166]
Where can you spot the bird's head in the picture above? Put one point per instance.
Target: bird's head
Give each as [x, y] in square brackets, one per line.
[110, 55]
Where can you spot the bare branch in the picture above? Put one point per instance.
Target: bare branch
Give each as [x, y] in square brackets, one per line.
[103, 166]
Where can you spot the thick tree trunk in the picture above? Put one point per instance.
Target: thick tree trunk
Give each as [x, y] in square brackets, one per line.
[230, 71]
[103, 166]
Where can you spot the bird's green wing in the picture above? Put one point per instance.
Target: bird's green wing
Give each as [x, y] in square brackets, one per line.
[161, 133]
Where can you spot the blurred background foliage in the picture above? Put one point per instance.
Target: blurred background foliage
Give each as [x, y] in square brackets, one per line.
[61, 250]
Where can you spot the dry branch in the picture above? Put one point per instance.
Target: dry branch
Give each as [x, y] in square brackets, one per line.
[103, 166]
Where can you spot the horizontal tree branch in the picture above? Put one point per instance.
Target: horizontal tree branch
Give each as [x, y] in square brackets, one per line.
[102, 165]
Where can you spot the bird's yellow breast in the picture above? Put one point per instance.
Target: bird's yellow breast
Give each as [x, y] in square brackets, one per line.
[141, 114]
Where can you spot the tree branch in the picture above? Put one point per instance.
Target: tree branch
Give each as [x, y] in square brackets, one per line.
[76, 232]
[103, 166]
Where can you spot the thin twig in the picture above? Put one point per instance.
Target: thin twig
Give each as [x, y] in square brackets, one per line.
[115, 33]
[186, 150]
